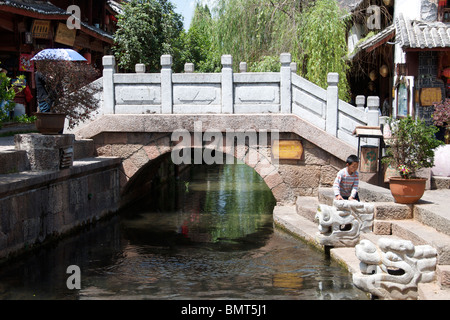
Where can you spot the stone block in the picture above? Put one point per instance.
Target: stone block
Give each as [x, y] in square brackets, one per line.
[328, 175]
[443, 274]
[300, 176]
[438, 183]
[273, 180]
[152, 151]
[13, 161]
[46, 152]
[392, 211]
[83, 149]
[382, 228]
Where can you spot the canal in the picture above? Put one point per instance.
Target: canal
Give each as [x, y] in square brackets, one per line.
[207, 234]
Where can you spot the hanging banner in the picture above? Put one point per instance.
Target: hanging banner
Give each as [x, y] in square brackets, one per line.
[65, 35]
[25, 64]
[41, 29]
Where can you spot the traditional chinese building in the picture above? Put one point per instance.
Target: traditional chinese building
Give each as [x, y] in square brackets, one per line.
[28, 26]
[406, 60]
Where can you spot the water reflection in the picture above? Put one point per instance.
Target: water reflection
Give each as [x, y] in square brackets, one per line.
[207, 235]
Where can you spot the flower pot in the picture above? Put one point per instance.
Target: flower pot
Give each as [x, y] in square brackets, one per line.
[407, 191]
[49, 122]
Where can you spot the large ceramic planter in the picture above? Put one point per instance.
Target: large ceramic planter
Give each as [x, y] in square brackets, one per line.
[407, 191]
[49, 122]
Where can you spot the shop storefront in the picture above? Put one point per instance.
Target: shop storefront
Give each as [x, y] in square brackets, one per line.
[28, 27]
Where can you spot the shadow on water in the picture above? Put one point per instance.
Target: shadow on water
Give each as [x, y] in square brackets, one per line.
[205, 234]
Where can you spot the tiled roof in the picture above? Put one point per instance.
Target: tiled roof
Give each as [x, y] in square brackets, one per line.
[46, 8]
[116, 6]
[377, 38]
[41, 7]
[422, 35]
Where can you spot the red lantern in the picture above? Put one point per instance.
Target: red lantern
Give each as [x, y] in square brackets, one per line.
[446, 72]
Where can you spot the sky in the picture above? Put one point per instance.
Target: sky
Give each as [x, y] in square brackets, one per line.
[186, 9]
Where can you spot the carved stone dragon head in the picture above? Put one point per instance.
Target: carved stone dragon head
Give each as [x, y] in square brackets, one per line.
[342, 224]
[394, 268]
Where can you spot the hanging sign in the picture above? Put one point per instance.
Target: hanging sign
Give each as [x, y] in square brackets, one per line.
[430, 96]
[65, 35]
[41, 29]
[287, 149]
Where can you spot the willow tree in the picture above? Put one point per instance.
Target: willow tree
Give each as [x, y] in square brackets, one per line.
[246, 29]
[324, 45]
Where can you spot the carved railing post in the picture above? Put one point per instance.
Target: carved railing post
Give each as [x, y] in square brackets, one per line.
[109, 64]
[360, 102]
[166, 84]
[189, 67]
[139, 68]
[332, 104]
[286, 83]
[373, 116]
[243, 67]
[227, 84]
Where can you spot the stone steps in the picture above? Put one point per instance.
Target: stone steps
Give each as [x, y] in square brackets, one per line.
[13, 161]
[415, 223]
[16, 161]
[438, 183]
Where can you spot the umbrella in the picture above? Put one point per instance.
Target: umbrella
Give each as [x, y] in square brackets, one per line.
[59, 54]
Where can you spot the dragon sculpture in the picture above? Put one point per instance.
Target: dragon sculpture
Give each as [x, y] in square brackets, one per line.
[393, 270]
[340, 225]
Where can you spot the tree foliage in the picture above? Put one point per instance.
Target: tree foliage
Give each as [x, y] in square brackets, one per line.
[258, 31]
[252, 31]
[199, 41]
[147, 29]
[324, 45]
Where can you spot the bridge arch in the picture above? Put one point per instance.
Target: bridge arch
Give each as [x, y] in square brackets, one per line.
[143, 164]
[139, 140]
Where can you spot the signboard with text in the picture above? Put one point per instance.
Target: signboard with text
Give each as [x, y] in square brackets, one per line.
[287, 149]
[430, 96]
[65, 35]
[41, 29]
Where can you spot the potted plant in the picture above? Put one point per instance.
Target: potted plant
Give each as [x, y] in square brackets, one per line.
[70, 91]
[441, 118]
[410, 148]
[8, 92]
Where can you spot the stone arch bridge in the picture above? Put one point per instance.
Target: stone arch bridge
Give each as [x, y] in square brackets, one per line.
[143, 117]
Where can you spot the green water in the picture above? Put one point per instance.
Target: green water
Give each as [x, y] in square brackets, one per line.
[207, 235]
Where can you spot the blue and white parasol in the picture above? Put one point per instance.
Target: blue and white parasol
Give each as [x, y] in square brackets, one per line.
[59, 54]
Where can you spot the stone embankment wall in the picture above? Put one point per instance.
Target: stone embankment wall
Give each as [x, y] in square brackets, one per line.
[36, 206]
